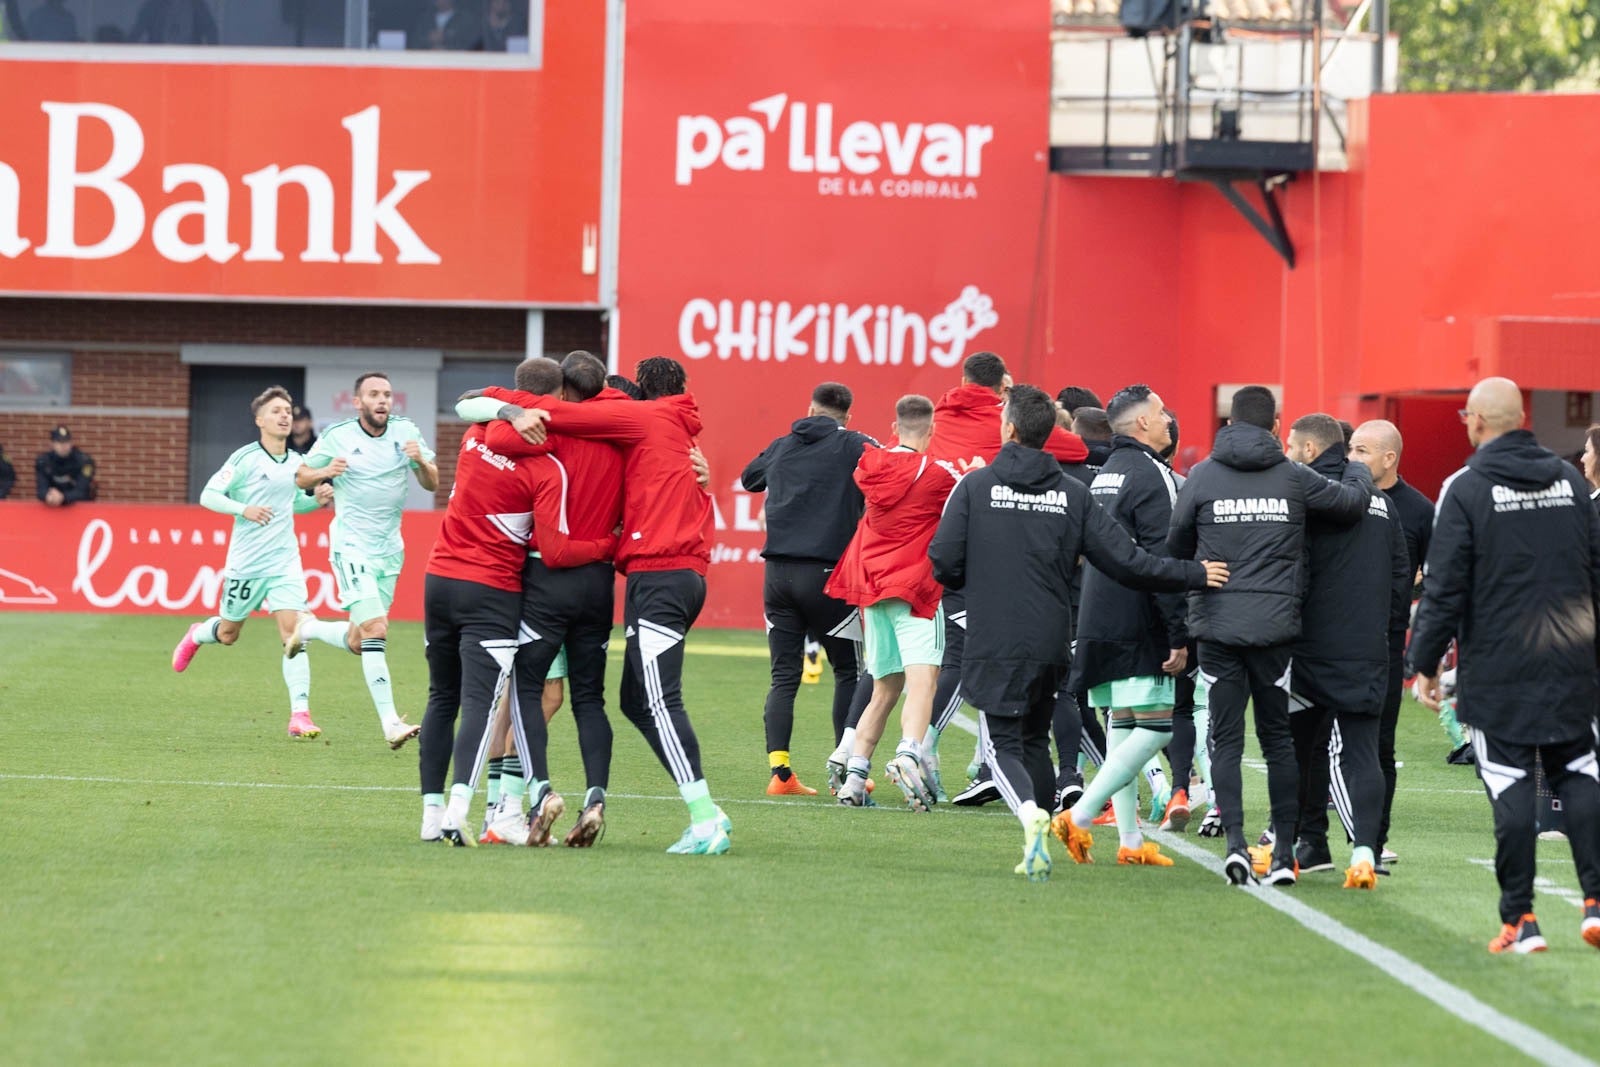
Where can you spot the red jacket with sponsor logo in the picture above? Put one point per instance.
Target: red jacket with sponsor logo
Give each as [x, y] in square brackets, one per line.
[594, 491]
[966, 423]
[501, 508]
[666, 516]
[905, 493]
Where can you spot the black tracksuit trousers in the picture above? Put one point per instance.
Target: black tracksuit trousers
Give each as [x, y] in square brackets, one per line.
[658, 610]
[794, 605]
[571, 607]
[1241, 675]
[471, 634]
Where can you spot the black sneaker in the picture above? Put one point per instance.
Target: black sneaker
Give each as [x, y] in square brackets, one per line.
[1069, 790]
[982, 791]
[452, 836]
[1211, 825]
[1313, 856]
[1465, 756]
[1520, 937]
[1237, 868]
[1283, 872]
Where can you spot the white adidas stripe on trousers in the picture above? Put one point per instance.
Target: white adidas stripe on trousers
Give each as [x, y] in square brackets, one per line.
[654, 641]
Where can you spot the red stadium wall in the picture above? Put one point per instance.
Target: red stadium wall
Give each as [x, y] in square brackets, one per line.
[1460, 244]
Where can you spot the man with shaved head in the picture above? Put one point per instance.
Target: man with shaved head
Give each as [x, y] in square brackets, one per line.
[1377, 444]
[1513, 575]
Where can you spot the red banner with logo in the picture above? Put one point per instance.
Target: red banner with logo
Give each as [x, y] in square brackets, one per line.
[826, 191]
[307, 182]
[149, 559]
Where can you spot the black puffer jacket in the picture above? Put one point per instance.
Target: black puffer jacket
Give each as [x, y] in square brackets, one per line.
[1360, 589]
[808, 474]
[1246, 505]
[1513, 574]
[1010, 536]
[1122, 632]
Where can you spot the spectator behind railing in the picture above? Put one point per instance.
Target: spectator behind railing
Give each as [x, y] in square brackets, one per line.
[503, 22]
[64, 474]
[174, 22]
[449, 27]
[8, 474]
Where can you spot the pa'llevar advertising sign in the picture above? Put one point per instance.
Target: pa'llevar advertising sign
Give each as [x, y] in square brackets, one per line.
[825, 191]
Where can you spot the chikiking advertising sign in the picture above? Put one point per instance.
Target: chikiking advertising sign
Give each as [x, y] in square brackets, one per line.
[830, 191]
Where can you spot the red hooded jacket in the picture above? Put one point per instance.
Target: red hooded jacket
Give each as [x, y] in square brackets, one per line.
[594, 493]
[666, 516]
[905, 493]
[966, 423]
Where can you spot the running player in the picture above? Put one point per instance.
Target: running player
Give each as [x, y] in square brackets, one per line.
[257, 487]
[367, 459]
[885, 572]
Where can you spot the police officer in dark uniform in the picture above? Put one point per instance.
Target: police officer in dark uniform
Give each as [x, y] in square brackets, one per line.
[8, 474]
[64, 473]
[301, 434]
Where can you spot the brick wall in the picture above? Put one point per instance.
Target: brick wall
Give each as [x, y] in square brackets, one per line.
[138, 458]
[144, 459]
[177, 322]
[449, 433]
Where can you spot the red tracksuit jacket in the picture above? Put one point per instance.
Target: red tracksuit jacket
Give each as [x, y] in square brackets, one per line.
[888, 556]
[594, 491]
[966, 423]
[502, 507]
[666, 516]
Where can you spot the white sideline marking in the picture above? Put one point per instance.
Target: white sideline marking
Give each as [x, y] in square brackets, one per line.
[1571, 896]
[1415, 977]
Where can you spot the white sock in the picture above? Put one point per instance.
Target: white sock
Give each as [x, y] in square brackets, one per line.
[375, 666]
[908, 747]
[455, 812]
[207, 634]
[1027, 811]
[847, 744]
[1133, 841]
[336, 634]
[297, 676]
[1156, 776]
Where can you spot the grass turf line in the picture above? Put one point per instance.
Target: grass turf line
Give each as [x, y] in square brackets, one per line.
[152, 923]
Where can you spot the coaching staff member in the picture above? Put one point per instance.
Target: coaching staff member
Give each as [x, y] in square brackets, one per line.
[1246, 505]
[1513, 574]
[813, 506]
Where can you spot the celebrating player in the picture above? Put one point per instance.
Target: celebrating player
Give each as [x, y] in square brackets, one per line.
[367, 459]
[257, 487]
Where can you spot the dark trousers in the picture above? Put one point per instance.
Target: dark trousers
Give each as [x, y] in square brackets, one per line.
[1338, 750]
[658, 609]
[858, 703]
[471, 635]
[1506, 768]
[1239, 675]
[947, 693]
[1180, 750]
[1388, 723]
[1017, 747]
[795, 605]
[570, 607]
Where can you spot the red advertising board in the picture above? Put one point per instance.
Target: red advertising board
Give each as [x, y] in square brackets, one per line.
[307, 182]
[825, 191]
[150, 559]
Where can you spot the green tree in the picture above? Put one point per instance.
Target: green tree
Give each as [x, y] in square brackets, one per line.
[1505, 45]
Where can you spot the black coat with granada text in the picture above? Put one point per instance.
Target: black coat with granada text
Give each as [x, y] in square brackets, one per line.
[1010, 538]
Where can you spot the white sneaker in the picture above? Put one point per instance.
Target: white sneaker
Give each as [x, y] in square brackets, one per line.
[399, 732]
[507, 828]
[297, 641]
[432, 822]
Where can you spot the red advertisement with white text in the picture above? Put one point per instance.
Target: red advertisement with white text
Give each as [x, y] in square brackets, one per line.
[153, 559]
[832, 191]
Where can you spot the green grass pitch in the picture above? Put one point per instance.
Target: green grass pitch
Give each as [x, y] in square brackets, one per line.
[182, 884]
